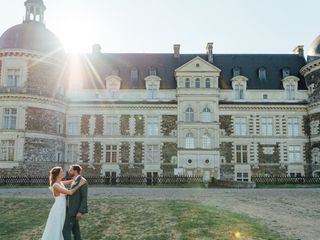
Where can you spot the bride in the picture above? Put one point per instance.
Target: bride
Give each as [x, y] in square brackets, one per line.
[56, 218]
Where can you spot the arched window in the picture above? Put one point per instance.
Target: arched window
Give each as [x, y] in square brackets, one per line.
[262, 74]
[285, 72]
[115, 71]
[206, 141]
[189, 115]
[208, 84]
[206, 115]
[189, 141]
[197, 83]
[235, 71]
[187, 83]
[134, 75]
[152, 71]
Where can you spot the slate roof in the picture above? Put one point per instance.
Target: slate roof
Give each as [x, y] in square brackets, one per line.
[95, 66]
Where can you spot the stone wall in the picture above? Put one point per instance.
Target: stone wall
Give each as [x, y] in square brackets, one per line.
[226, 172]
[269, 170]
[125, 152]
[43, 79]
[225, 124]
[45, 121]
[226, 151]
[98, 129]
[168, 124]
[85, 152]
[29, 169]
[265, 157]
[84, 124]
[43, 150]
[139, 127]
[138, 152]
[169, 150]
[97, 152]
[131, 170]
[124, 125]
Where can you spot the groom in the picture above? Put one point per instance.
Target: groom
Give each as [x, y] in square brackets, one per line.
[76, 205]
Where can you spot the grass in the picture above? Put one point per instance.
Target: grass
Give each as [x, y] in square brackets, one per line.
[133, 219]
[288, 186]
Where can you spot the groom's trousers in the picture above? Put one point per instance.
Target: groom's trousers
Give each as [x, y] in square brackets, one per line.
[71, 225]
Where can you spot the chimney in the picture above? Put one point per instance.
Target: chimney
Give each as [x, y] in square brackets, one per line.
[299, 50]
[176, 50]
[209, 52]
[96, 49]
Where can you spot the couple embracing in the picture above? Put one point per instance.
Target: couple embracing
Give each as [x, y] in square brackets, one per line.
[70, 203]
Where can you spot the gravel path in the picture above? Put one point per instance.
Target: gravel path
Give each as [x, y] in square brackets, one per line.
[292, 212]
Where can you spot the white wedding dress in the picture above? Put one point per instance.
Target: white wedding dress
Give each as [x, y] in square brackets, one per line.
[56, 218]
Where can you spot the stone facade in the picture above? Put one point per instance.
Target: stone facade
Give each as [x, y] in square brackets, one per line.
[138, 152]
[97, 154]
[169, 150]
[84, 128]
[45, 121]
[139, 125]
[125, 152]
[85, 152]
[124, 125]
[168, 124]
[98, 130]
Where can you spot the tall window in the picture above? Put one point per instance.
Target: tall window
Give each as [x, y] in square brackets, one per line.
[239, 91]
[206, 115]
[189, 115]
[152, 126]
[112, 125]
[266, 126]
[208, 84]
[294, 153]
[262, 72]
[111, 153]
[242, 176]
[152, 91]
[73, 153]
[241, 154]
[189, 141]
[7, 150]
[290, 91]
[293, 127]
[152, 154]
[13, 78]
[73, 126]
[240, 126]
[134, 75]
[187, 83]
[152, 71]
[9, 118]
[197, 83]
[206, 141]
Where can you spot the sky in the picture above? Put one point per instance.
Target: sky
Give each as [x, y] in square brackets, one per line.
[142, 26]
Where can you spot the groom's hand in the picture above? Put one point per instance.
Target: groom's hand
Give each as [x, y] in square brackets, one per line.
[78, 216]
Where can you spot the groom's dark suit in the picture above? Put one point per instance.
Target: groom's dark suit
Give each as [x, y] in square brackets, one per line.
[76, 203]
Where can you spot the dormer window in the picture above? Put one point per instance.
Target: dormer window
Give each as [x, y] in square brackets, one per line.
[115, 71]
[239, 85]
[236, 72]
[290, 85]
[239, 91]
[262, 72]
[152, 86]
[13, 78]
[285, 72]
[152, 71]
[197, 83]
[187, 83]
[290, 91]
[134, 75]
[113, 83]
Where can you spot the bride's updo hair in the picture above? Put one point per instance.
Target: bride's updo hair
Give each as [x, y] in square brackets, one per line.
[54, 173]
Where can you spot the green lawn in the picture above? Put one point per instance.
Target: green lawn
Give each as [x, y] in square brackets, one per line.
[133, 219]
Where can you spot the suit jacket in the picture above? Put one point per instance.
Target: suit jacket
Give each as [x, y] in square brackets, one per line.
[78, 201]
